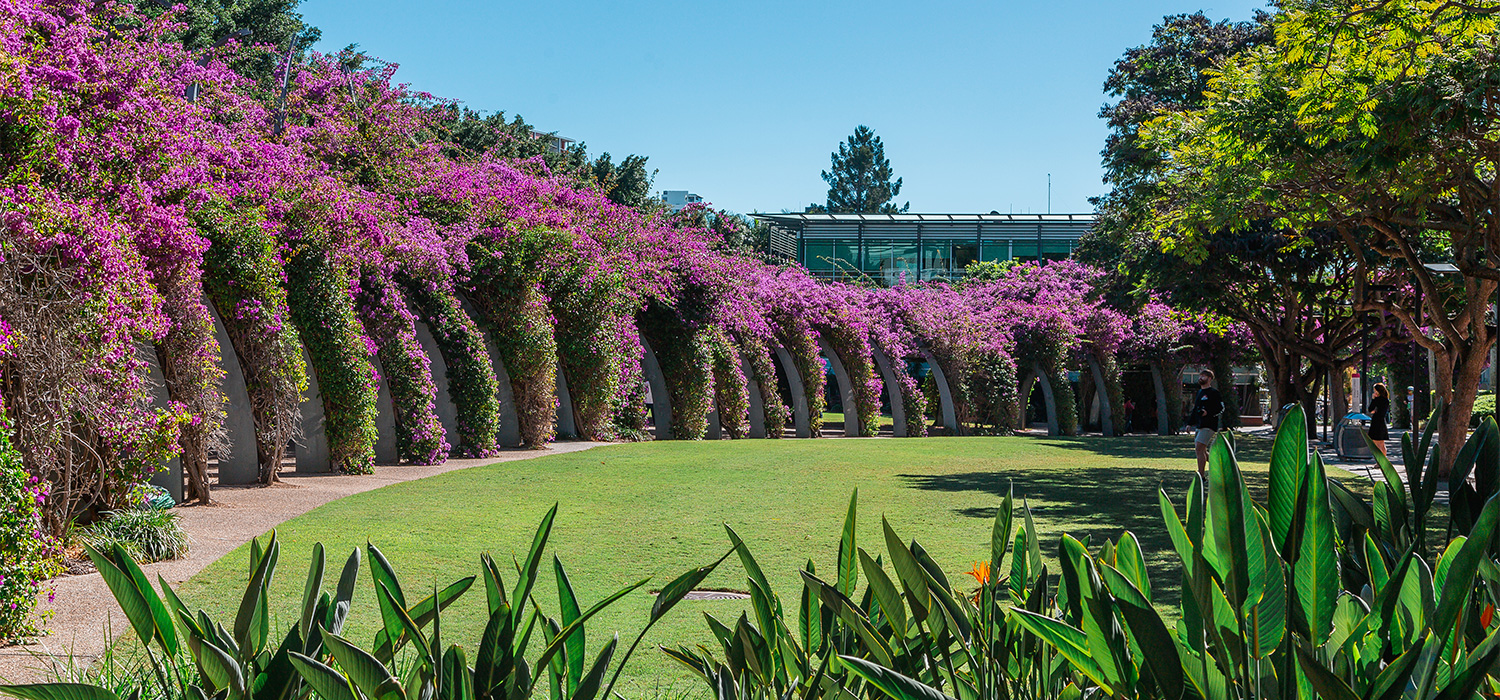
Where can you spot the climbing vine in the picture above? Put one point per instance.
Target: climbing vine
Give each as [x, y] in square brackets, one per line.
[405, 369]
[731, 389]
[318, 296]
[763, 373]
[682, 351]
[589, 348]
[472, 384]
[242, 278]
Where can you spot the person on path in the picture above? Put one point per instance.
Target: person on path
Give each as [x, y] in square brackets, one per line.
[1207, 406]
[1379, 410]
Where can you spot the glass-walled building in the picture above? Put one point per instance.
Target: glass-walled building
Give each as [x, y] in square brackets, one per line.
[888, 248]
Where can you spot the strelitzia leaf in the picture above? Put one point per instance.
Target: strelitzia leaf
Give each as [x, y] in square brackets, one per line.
[1069, 641]
[1316, 571]
[893, 684]
[673, 593]
[328, 683]
[848, 569]
[367, 673]
[57, 691]
[1288, 464]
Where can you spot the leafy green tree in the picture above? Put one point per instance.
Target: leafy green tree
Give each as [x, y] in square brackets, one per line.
[1375, 120]
[469, 133]
[859, 181]
[270, 23]
[627, 183]
[1292, 291]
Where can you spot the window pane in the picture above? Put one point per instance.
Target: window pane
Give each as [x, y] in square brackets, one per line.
[847, 253]
[819, 256]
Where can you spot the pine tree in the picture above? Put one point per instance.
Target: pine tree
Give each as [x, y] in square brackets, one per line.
[860, 180]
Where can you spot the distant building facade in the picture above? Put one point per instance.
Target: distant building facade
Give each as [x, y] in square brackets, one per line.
[677, 199]
[889, 248]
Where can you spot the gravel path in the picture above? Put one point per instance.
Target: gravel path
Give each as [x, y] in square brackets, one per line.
[85, 609]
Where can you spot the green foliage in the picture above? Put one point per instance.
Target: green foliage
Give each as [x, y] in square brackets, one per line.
[731, 386]
[242, 278]
[1484, 409]
[190, 655]
[506, 289]
[318, 295]
[589, 348]
[148, 534]
[405, 369]
[1315, 592]
[859, 180]
[28, 556]
[763, 373]
[472, 384]
[627, 183]
[684, 354]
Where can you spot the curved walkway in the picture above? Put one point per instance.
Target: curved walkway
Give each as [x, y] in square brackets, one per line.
[85, 609]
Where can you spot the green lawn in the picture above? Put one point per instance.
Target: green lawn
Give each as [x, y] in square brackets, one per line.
[657, 509]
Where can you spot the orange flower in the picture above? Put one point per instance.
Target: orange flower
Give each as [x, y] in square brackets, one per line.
[980, 572]
[1486, 616]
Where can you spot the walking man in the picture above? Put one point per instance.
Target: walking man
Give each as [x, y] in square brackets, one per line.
[1208, 405]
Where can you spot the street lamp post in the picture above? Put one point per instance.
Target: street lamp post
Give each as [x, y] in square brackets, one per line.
[192, 90]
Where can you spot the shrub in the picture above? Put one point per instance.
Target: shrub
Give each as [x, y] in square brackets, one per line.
[28, 555]
[1484, 408]
[148, 534]
[313, 659]
[1313, 593]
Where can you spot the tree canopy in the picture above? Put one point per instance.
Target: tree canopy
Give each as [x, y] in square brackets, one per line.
[860, 179]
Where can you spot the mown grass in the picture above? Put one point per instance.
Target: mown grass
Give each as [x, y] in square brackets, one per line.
[657, 509]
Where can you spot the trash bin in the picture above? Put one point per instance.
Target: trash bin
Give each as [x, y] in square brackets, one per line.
[1349, 436]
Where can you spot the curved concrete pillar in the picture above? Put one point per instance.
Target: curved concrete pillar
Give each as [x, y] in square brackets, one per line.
[893, 393]
[241, 465]
[757, 402]
[313, 454]
[1101, 392]
[661, 401]
[510, 423]
[447, 412]
[563, 416]
[801, 421]
[945, 394]
[386, 449]
[846, 387]
[715, 428]
[1036, 375]
[168, 475]
[1163, 424]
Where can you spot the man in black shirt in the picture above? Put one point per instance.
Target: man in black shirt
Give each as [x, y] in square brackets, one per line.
[1207, 406]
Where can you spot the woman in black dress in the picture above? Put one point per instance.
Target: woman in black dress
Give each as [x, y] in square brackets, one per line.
[1379, 409]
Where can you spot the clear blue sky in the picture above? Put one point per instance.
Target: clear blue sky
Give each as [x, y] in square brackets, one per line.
[742, 102]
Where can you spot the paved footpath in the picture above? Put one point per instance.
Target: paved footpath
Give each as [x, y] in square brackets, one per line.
[85, 609]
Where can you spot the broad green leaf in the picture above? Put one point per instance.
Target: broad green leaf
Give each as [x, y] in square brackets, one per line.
[908, 571]
[673, 593]
[367, 673]
[252, 624]
[1316, 571]
[752, 568]
[885, 592]
[1288, 464]
[1375, 565]
[1328, 685]
[127, 595]
[556, 645]
[221, 669]
[405, 625]
[527, 577]
[425, 611]
[494, 584]
[328, 683]
[1465, 565]
[891, 683]
[1000, 534]
[848, 569]
[588, 687]
[343, 596]
[312, 588]
[456, 679]
[57, 691]
[1392, 682]
[1150, 633]
[1069, 641]
[1466, 682]
[384, 574]
[573, 646]
[1132, 563]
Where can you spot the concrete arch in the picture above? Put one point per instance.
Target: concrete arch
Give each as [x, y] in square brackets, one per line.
[447, 411]
[313, 453]
[563, 418]
[168, 475]
[757, 402]
[893, 393]
[386, 448]
[661, 401]
[1101, 391]
[510, 423]
[801, 420]
[1036, 375]
[945, 393]
[846, 387]
[241, 465]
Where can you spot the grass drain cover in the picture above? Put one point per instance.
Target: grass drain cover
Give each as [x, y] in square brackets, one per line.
[716, 595]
